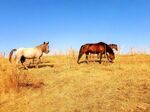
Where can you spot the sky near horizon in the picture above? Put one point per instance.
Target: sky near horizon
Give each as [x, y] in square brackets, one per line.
[71, 23]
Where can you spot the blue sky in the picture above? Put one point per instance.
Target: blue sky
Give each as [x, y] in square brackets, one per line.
[71, 23]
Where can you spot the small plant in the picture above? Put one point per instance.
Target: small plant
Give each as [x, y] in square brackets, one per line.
[13, 79]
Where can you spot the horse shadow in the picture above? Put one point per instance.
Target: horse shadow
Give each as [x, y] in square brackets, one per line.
[43, 62]
[95, 61]
[41, 66]
[89, 61]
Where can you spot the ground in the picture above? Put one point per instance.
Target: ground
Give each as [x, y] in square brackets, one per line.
[61, 85]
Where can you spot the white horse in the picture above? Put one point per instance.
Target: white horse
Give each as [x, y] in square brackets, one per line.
[29, 53]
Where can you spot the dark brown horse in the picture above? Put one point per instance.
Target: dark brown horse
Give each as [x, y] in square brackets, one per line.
[96, 48]
[113, 46]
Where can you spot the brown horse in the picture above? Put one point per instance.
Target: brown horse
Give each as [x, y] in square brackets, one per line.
[29, 53]
[113, 46]
[96, 48]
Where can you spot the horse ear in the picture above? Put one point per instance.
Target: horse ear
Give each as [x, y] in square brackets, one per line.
[43, 42]
[47, 42]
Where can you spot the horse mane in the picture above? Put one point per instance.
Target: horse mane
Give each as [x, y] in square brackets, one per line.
[40, 47]
[43, 47]
[113, 44]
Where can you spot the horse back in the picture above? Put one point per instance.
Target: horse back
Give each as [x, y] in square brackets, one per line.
[96, 48]
[92, 48]
[29, 52]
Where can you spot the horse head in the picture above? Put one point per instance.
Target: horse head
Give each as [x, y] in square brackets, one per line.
[111, 57]
[114, 46]
[45, 47]
[111, 53]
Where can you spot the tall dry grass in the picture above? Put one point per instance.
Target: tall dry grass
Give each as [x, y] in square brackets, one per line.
[13, 80]
[123, 86]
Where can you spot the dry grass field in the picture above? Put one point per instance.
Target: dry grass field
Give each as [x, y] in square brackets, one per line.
[61, 85]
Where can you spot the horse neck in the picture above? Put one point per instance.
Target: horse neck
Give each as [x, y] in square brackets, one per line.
[109, 49]
[40, 47]
[113, 46]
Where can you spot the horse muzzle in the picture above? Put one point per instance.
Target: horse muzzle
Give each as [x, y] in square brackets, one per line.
[47, 51]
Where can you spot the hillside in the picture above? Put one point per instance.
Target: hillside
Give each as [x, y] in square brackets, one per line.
[61, 85]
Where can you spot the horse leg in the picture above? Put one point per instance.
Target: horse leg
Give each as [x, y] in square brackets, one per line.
[100, 58]
[19, 59]
[33, 60]
[25, 67]
[30, 63]
[38, 60]
[87, 61]
[22, 59]
[80, 55]
[107, 57]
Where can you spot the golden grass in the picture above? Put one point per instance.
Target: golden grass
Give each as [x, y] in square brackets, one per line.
[61, 85]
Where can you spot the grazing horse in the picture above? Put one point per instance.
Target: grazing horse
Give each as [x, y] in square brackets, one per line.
[96, 48]
[29, 53]
[113, 46]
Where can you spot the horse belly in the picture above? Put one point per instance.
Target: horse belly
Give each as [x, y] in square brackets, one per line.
[29, 54]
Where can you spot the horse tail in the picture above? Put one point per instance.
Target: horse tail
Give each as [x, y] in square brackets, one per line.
[11, 53]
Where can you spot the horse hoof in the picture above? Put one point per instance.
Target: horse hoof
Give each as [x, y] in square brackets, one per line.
[26, 68]
[36, 67]
[111, 61]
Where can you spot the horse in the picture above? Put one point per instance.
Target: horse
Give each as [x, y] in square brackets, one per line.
[96, 48]
[29, 53]
[113, 46]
